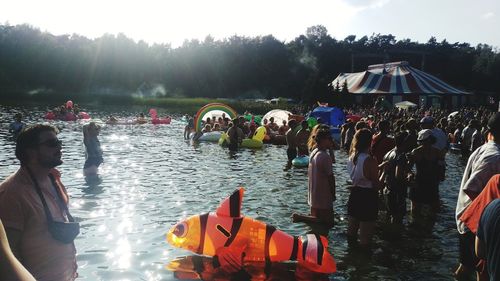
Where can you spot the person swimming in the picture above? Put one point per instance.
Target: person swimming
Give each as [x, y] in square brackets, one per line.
[141, 119]
[17, 126]
[112, 120]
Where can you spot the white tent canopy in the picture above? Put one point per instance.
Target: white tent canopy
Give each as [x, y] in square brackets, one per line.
[405, 105]
[278, 114]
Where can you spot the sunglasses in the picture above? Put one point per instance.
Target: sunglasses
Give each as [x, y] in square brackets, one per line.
[51, 143]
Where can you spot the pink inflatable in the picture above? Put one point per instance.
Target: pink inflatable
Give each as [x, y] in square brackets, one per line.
[50, 116]
[155, 120]
[354, 118]
[70, 117]
[161, 121]
[83, 115]
[153, 113]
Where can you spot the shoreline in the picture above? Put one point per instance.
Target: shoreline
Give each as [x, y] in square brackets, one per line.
[174, 105]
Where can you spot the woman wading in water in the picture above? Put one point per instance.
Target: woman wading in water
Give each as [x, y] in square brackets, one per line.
[362, 207]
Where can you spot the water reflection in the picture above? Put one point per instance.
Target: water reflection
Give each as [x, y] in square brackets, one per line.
[207, 269]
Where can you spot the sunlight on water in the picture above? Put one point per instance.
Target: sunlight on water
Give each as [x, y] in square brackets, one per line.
[151, 178]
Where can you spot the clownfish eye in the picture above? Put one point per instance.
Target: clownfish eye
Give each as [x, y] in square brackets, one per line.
[180, 230]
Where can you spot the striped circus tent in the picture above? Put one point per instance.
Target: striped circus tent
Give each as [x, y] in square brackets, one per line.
[394, 78]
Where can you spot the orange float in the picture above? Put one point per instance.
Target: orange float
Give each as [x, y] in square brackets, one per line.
[230, 237]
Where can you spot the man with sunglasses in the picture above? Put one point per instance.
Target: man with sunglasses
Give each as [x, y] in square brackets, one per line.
[34, 209]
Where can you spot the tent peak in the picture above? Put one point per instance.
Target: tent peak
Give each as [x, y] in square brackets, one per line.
[388, 65]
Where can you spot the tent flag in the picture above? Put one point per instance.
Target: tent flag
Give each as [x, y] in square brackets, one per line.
[394, 78]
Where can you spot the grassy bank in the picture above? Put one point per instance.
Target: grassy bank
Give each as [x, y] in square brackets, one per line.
[171, 105]
[191, 105]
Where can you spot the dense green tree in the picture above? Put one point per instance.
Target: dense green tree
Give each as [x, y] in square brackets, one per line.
[237, 66]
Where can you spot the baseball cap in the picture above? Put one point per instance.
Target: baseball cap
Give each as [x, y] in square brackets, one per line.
[427, 120]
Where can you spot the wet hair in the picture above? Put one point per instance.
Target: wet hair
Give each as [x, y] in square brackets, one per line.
[361, 142]
[400, 138]
[312, 142]
[384, 125]
[29, 138]
[360, 125]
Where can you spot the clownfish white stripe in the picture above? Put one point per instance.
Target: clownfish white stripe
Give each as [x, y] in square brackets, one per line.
[311, 252]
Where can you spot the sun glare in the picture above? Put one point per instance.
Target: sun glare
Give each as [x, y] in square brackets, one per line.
[175, 21]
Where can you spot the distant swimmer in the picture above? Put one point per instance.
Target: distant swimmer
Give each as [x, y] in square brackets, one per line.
[141, 119]
[112, 120]
[93, 149]
[17, 126]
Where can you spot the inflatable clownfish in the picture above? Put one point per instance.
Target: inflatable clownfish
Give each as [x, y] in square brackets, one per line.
[231, 238]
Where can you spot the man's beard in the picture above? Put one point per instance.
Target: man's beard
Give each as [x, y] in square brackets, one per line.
[51, 163]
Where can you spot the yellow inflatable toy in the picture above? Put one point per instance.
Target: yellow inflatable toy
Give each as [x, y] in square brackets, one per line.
[254, 142]
[251, 143]
[259, 134]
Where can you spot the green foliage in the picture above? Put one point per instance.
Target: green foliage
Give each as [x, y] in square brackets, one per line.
[237, 67]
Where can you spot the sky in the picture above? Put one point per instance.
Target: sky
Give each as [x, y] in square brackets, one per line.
[173, 21]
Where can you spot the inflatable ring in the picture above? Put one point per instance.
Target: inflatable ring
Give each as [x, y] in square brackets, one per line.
[209, 107]
[161, 121]
[210, 136]
[301, 161]
[247, 143]
[251, 143]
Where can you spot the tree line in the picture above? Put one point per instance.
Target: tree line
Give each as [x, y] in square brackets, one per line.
[33, 61]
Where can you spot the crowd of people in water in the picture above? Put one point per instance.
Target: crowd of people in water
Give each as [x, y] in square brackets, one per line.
[398, 154]
[393, 155]
[66, 112]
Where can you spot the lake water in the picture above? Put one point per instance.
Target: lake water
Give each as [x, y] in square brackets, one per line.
[152, 177]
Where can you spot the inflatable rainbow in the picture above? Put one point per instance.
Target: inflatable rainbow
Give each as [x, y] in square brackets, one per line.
[211, 107]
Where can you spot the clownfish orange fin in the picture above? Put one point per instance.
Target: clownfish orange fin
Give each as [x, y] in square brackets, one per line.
[231, 258]
[231, 206]
[314, 254]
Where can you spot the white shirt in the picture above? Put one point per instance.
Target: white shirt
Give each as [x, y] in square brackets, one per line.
[482, 165]
[356, 171]
[441, 139]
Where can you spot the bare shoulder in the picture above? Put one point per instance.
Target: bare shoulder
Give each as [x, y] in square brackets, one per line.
[10, 183]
